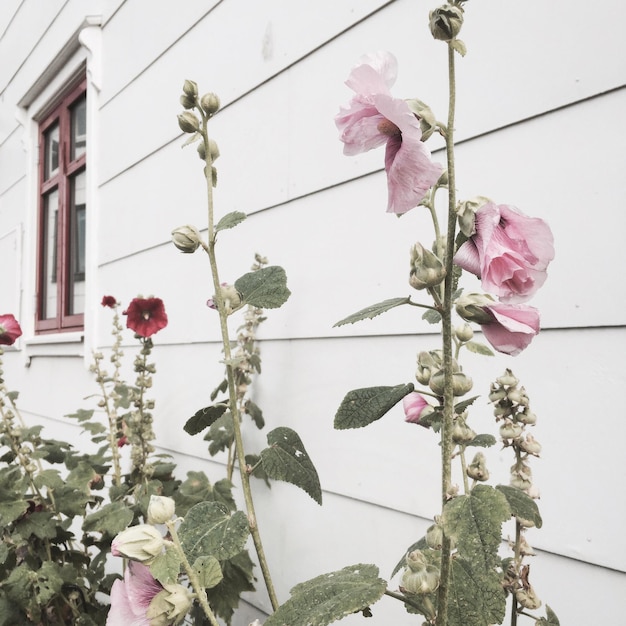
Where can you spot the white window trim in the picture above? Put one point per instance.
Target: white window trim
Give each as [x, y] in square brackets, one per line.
[80, 54]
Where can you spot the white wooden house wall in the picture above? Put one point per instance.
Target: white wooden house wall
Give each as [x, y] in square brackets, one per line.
[540, 125]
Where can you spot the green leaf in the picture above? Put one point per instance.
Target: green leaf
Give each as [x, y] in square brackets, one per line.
[431, 316]
[12, 510]
[253, 460]
[478, 348]
[459, 46]
[203, 418]
[286, 459]
[230, 220]
[476, 597]
[550, 620]
[475, 522]
[265, 288]
[223, 492]
[461, 406]
[255, 413]
[330, 597]
[361, 407]
[40, 523]
[221, 434]
[111, 519]
[521, 504]
[373, 311]
[208, 571]
[482, 441]
[210, 530]
[166, 566]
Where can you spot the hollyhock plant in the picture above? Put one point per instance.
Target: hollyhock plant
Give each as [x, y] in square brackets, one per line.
[508, 251]
[10, 329]
[146, 316]
[374, 118]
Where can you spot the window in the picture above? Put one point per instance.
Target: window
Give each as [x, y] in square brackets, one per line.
[62, 214]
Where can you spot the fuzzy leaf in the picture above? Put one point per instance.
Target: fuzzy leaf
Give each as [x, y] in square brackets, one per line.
[459, 46]
[221, 434]
[265, 288]
[166, 566]
[521, 504]
[210, 530]
[10, 510]
[255, 413]
[330, 597]
[550, 620]
[209, 571]
[478, 348]
[373, 311]
[230, 220]
[431, 316]
[287, 460]
[361, 407]
[476, 597]
[475, 522]
[203, 418]
[111, 519]
[482, 441]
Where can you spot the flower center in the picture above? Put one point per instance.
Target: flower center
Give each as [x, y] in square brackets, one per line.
[145, 315]
[387, 127]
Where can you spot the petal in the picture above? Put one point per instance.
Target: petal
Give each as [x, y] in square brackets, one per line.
[513, 329]
[358, 125]
[467, 257]
[374, 73]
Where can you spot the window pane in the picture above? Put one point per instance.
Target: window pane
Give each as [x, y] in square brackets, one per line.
[49, 257]
[79, 129]
[51, 158]
[77, 244]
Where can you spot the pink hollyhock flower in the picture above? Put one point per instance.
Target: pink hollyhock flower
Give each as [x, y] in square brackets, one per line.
[146, 316]
[10, 329]
[509, 252]
[513, 326]
[374, 118]
[109, 301]
[414, 405]
[131, 597]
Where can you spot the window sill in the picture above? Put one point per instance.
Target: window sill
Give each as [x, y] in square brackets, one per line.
[58, 344]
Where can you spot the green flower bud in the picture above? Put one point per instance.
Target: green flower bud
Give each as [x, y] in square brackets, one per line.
[427, 362]
[464, 333]
[497, 393]
[461, 383]
[507, 379]
[436, 383]
[190, 88]
[160, 509]
[169, 606]
[528, 598]
[210, 103]
[446, 22]
[416, 561]
[201, 150]
[187, 102]
[214, 151]
[470, 308]
[461, 433]
[188, 122]
[426, 269]
[427, 120]
[466, 214]
[186, 238]
[477, 469]
[421, 582]
[434, 537]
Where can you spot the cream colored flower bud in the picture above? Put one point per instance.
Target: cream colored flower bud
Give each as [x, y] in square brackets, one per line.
[462, 433]
[446, 22]
[161, 509]
[186, 238]
[187, 102]
[421, 582]
[477, 469]
[427, 120]
[426, 269]
[530, 444]
[427, 362]
[526, 417]
[188, 122]
[471, 308]
[140, 543]
[415, 560]
[434, 537]
[190, 88]
[508, 430]
[210, 103]
[169, 606]
[528, 598]
[461, 384]
[497, 393]
[214, 151]
[507, 379]
[464, 333]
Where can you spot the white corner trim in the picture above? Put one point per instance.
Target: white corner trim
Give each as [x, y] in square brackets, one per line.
[90, 38]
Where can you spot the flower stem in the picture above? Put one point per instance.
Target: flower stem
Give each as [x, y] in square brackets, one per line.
[193, 577]
[446, 318]
[230, 374]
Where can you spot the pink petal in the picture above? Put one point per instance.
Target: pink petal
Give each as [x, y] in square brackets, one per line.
[514, 327]
[358, 125]
[467, 257]
[374, 73]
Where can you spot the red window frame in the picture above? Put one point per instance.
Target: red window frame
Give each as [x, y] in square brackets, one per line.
[60, 181]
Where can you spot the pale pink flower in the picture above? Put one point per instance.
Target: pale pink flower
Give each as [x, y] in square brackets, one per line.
[131, 597]
[374, 118]
[414, 405]
[513, 327]
[509, 252]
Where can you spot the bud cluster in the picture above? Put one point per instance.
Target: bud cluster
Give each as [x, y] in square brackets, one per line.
[430, 372]
[427, 270]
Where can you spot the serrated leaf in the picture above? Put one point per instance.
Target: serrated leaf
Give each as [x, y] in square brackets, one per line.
[265, 288]
[550, 620]
[461, 406]
[230, 220]
[373, 311]
[221, 388]
[11, 510]
[255, 413]
[111, 519]
[330, 597]
[361, 407]
[210, 530]
[475, 522]
[431, 316]
[166, 566]
[521, 504]
[221, 434]
[203, 418]
[482, 441]
[287, 460]
[208, 570]
[475, 597]
[40, 523]
[478, 348]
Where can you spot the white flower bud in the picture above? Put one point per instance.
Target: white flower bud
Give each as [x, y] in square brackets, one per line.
[140, 543]
[160, 510]
[186, 238]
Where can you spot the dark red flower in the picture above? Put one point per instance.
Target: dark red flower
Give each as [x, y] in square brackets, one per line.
[9, 329]
[109, 301]
[146, 316]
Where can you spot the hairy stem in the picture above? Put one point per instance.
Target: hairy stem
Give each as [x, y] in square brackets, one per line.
[230, 373]
[446, 317]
